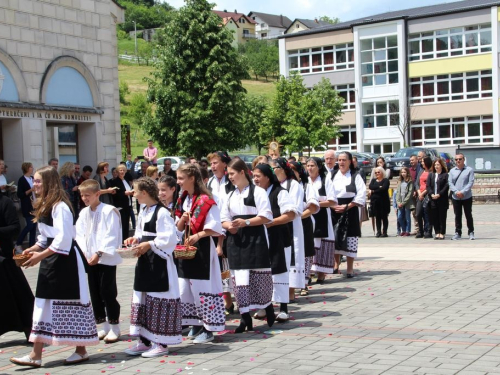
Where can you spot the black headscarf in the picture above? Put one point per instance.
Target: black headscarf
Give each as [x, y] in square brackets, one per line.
[349, 157]
[300, 169]
[224, 156]
[268, 172]
[283, 163]
[321, 167]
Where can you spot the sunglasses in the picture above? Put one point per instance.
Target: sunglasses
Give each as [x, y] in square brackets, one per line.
[458, 159]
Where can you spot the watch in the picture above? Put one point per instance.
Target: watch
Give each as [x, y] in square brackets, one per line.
[99, 254]
[247, 222]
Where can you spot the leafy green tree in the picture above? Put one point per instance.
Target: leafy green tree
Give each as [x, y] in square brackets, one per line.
[333, 21]
[139, 109]
[146, 16]
[300, 118]
[196, 86]
[145, 52]
[124, 91]
[255, 106]
[262, 57]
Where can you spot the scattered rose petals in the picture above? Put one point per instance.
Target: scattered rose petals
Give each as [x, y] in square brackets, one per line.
[162, 361]
[252, 359]
[111, 366]
[113, 356]
[324, 303]
[179, 370]
[190, 363]
[372, 294]
[171, 361]
[398, 318]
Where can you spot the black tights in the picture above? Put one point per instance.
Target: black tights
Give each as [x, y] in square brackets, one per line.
[382, 221]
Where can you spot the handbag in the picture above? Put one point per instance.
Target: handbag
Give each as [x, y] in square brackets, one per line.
[364, 214]
[185, 251]
[340, 230]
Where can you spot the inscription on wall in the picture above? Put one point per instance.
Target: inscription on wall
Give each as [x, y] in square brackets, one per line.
[47, 115]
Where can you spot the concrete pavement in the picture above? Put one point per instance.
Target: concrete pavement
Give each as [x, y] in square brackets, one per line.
[415, 306]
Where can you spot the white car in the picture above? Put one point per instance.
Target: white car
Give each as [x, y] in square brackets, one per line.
[176, 162]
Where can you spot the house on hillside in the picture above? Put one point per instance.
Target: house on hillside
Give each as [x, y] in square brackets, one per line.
[301, 24]
[243, 27]
[269, 26]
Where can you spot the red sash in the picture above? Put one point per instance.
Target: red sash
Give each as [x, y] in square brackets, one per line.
[199, 210]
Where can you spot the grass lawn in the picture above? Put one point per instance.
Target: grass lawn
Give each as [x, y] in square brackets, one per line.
[128, 46]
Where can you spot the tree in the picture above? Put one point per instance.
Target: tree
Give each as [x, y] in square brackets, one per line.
[255, 106]
[196, 86]
[145, 52]
[312, 120]
[262, 57]
[333, 21]
[139, 109]
[123, 91]
[146, 16]
[300, 118]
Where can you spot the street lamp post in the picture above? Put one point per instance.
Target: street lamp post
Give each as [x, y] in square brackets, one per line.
[135, 39]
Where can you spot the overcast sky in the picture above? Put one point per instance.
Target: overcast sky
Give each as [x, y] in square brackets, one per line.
[344, 9]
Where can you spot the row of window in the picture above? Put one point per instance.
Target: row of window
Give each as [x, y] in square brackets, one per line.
[347, 140]
[449, 42]
[348, 93]
[379, 61]
[452, 131]
[449, 87]
[322, 59]
[380, 114]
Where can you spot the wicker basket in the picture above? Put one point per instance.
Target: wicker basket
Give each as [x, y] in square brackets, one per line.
[185, 251]
[20, 259]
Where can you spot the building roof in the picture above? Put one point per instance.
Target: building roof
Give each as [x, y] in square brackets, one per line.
[412, 13]
[234, 15]
[272, 20]
[310, 24]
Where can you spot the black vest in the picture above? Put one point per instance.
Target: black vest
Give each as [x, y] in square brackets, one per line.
[278, 235]
[321, 217]
[151, 273]
[354, 229]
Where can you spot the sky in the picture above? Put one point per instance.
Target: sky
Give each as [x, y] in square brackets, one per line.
[345, 10]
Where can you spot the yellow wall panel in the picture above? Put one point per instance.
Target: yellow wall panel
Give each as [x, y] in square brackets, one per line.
[498, 14]
[450, 65]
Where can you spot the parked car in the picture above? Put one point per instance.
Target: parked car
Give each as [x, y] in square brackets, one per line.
[388, 155]
[370, 154]
[177, 161]
[248, 159]
[365, 162]
[448, 159]
[402, 158]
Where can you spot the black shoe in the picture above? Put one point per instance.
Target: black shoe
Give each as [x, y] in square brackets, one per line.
[336, 271]
[245, 323]
[420, 235]
[427, 235]
[378, 235]
[310, 282]
[320, 281]
[384, 235]
[349, 275]
[230, 310]
[270, 315]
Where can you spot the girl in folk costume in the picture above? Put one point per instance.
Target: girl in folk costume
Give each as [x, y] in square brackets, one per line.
[99, 234]
[167, 192]
[244, 215]
[288, 181]
[199, 278]
[220, 186]
[62, 287]
[310, 207]
[280, 239]
[350, 190]
[156, 305]
[324, 238]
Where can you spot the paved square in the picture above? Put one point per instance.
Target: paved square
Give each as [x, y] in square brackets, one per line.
[415, 306]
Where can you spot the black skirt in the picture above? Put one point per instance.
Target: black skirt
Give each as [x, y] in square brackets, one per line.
[354, 229]
[308, 226]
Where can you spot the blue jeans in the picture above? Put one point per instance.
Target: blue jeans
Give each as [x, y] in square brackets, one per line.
[29, 228]
[404, 219]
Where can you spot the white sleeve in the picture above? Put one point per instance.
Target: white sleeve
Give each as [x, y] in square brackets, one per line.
[360, 196]
[225, 215]
[113, 234]
[166, 238]
[286, 203]
[212, 220]
[63, 228]
[312, 197]
[262, 203]
[330, 191]
[297, 195]
[81, 229]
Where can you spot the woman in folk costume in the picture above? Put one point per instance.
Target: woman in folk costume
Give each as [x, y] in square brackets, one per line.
[156, 305]
[62, 287]
[244, 215]
[220, 186]
[324, 238]
[288, 181]
[311, 207]
[199, 278]
[350, 190]
[280, 239]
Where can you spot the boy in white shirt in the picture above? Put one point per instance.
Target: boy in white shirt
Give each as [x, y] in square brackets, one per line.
[99, 234]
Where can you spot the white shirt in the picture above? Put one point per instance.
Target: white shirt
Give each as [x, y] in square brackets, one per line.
[3, 181]
[166, 238]
[296, 194]
[341, 181]
[234, 205]
[312, 197]
[127, 188]
[62, 231]
[285, 202]
[100, 230]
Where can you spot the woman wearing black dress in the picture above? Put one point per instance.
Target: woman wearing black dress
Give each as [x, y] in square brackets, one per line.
[379, 200]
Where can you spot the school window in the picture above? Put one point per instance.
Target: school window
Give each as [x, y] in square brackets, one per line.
[450, 42]
[450, 87]
[322, 59]
[380, 114]
[348, 93]
[347, 140]
[379, 61]
[452, 131]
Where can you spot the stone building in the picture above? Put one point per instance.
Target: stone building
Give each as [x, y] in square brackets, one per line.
[59, 82]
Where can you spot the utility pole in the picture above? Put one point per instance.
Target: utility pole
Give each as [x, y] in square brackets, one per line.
[135, 40]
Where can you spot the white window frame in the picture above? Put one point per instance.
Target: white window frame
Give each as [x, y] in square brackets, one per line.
[335, 145]
[464, 33]
[449, 79]
[373, 56]
[453, 138]
[308, 53]
[374, 117]
[348, 104]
